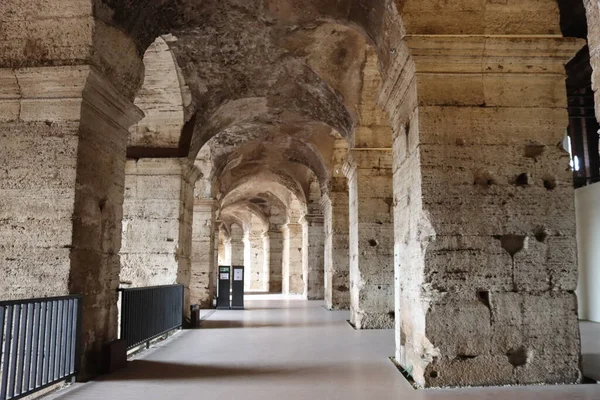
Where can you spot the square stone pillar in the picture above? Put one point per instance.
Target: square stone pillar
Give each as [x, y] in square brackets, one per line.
[157, 223]
[203, 269]
[313, 268]
[336, 243]
[275, 258]
[292, 259]
[266, 240]
[371, 240]
[64, 134]
[224, 249]
[257, 274]
[484, 212]
[237, 246]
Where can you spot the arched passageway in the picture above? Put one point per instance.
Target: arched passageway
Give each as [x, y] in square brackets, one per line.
[397, 159]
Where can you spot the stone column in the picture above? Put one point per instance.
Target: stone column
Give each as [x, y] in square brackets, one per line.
[224, 249]
[203, 277]
[266, 239]
[371, 238]
[155, 208]
[157, 223]
[337, 260]
[292, 259]
[256, 272]
[484, 212]
[237, 245]
[313, 270]
[64, 134]
[275, 258]
[247, 260]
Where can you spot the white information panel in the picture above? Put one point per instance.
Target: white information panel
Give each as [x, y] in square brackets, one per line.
[238, 274]
[224, 276]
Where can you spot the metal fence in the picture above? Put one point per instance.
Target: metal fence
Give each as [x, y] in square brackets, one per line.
[39, 341]
[149, 312]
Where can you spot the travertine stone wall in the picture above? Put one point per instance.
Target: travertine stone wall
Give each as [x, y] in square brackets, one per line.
[237, 246]
[256, 264]
[266, 250]
[313, 260]
[217, 244]
[203, 262]
[371, 238]
[64, 132]
[484, 218]
[292, 259]
[334, 204]
[336, 257]
[224, 247]
[157, 222]
[275, 258]
[368, 170]
[247, 260]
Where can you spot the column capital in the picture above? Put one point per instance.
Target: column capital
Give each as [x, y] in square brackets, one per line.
[491, 53]
[201, 201]
[59, 93]
[162, 166]
[361, 158]
[313, 219]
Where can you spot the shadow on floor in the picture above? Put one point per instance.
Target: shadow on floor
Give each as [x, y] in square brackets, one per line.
[218, 324]
[156, 370]
[591, 366]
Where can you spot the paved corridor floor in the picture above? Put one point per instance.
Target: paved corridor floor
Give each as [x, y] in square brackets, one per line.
[282, 349]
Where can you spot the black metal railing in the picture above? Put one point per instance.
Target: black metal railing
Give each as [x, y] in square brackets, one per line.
[39, 341]
[150, 312]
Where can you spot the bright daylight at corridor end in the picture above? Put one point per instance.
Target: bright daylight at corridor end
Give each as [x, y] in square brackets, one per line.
[299, 199]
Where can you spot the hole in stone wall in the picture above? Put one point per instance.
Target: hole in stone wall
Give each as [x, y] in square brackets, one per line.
[483, 178]
[433, 374]
[392, 315]
[102, 204]
[465, 357]
[484, 297]
[518, 357]
[170, 240]
[550, 183]
[512, 243]
[522, 180]
[373, 242]
[541, 234]
[534, 151]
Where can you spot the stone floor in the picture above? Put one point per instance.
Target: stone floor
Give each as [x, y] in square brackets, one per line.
[590, 349]
[291, 349]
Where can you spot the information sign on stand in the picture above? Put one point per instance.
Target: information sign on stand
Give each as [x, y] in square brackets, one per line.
[224, 288]
[237, 286]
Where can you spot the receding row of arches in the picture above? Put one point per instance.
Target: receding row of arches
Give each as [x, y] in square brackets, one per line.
[377, 152]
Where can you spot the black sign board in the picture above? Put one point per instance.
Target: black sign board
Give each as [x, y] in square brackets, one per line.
[224, 288]
[237, 287]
